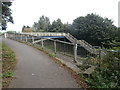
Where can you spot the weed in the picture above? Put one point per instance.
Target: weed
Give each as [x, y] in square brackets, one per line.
[8, 64]
[52, 55]
[8, 74]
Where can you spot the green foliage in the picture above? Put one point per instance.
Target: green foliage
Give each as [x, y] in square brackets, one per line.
[11, 32]
[94, 29]
[107, 74]
[23, 28]
[42, 24]
[8, 64]
[118, 35]
[8, 74]
[115, 45]
[26, 29]
[6, 14]
[57, 26]
[52, 55]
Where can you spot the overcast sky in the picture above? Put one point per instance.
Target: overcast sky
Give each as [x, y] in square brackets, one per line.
[26, 12]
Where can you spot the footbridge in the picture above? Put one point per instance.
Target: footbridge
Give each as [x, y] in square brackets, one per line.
[48, 35]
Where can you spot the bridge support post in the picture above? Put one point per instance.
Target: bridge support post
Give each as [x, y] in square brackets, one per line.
[55, 47]
[75, 53]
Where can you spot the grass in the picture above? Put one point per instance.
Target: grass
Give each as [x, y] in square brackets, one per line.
[8, 65]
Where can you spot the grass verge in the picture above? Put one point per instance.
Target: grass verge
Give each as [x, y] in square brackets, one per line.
[8, 65]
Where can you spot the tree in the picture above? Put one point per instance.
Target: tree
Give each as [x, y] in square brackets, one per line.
[6, 14]
[35, 27]
[28, 26]
[23, 28]
[94, 29]
[42, 24]
[26, 29]
[11, 32]
[57, 26]
[118, 34]
[67, 27]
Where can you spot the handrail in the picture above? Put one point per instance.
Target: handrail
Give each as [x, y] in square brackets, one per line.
[83, 43]
[44, 33]
[69, 36]
[88, 44]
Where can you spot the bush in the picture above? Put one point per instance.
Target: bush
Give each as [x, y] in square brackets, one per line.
[107, 74]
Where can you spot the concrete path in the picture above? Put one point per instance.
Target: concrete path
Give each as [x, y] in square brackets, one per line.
[36, 70]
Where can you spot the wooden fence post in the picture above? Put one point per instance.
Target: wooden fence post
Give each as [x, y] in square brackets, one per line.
[55, 46]
[33, 39]
[5, 35]
[21, 37]
[26, 38]
[75, 52]
[64, 46]
[14, 36]
[42, 43]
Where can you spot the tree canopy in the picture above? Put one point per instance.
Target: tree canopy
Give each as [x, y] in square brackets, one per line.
[42, 24]
[26, 29]
[118, 35]
[94, 29]
[6, 14]
[57, 26]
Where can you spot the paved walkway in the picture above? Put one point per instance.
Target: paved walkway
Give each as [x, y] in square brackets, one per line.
[36, 70]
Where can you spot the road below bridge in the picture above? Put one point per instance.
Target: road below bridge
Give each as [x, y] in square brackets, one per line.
[35, 69]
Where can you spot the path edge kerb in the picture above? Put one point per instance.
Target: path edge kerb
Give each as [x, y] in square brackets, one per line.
[74, 74]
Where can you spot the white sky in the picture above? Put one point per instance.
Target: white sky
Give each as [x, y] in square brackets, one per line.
[26, 12]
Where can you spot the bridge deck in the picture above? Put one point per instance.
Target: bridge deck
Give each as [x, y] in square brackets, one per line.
[44, 34]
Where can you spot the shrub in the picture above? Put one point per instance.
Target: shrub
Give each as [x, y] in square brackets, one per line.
[107, 74]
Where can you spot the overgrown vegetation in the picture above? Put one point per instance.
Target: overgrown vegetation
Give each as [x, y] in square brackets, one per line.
[107, 72]
[8, 65]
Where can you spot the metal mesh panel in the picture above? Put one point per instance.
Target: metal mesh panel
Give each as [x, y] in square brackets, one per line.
[49, 44]
[81, 52]
[65, 48]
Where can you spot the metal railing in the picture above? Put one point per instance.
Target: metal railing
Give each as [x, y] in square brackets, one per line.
[83, 43]
[44, 34]
[71, 38]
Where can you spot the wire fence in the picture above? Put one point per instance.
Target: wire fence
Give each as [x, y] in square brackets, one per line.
[59, 46]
